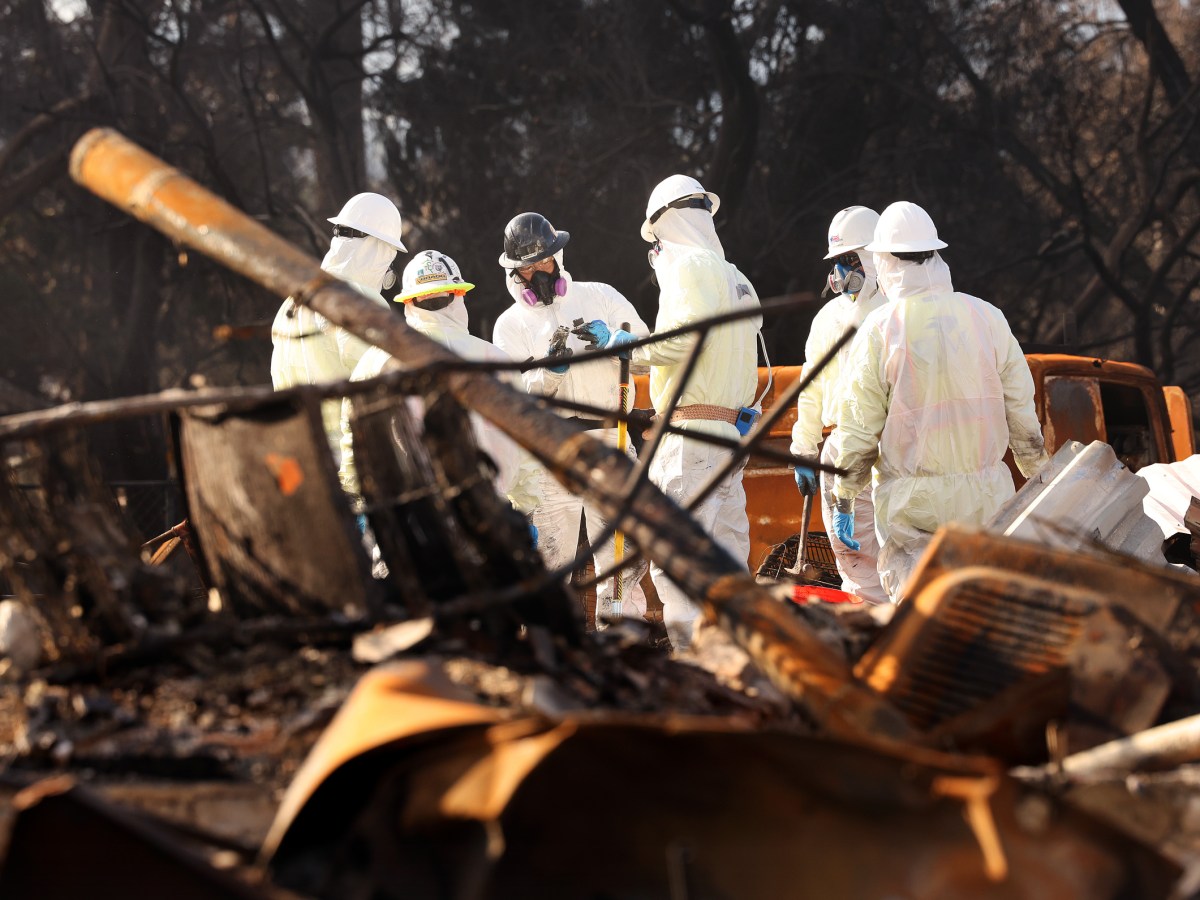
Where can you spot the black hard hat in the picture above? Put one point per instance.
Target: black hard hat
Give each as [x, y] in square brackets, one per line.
[529, 238]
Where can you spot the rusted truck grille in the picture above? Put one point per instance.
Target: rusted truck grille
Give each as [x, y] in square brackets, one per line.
[983, 637]
[999, 636]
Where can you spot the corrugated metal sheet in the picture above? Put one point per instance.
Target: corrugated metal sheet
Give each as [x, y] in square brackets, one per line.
[1083, 499]
[1172, 487]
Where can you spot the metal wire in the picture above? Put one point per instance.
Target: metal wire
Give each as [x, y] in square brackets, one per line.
[611, 415]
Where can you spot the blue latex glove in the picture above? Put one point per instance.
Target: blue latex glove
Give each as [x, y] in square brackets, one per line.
[843, 527]
[594, 332]
[533, 533]
[618, 338]
[806, 480]
[561, 367]
[361, 521]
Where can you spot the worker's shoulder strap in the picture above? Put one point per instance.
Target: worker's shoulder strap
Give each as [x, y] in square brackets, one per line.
[770, 372]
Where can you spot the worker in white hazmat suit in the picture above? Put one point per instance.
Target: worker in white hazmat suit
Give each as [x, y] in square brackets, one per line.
[307, 348]
[695, 282]
[938, 388]
[546, 299]
[432, 290]
[857, 293]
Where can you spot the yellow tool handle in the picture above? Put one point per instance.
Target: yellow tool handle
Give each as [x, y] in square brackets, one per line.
[622, 444]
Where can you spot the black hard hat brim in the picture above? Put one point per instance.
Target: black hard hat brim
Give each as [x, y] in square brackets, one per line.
[559, 242]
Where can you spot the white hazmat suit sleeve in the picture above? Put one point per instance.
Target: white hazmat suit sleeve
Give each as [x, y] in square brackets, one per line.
[862, 413]
[1024, 430]
[810, 404]
[694, 290]
[514, 340]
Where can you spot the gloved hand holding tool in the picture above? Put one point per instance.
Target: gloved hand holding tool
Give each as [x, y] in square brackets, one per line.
[621, 337]
[843, 523]
[803, 570]
[806, 480]
[558, 349]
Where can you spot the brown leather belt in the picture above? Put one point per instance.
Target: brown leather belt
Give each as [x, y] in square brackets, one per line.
[704, 411]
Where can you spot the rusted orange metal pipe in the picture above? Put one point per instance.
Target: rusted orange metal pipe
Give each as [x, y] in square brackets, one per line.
[788, 652]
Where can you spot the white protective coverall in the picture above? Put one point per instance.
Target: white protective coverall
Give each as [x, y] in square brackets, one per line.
[516, 476]
[524, 332]
[938, 387]
[696, 282]
[817, 409]
[307, 348]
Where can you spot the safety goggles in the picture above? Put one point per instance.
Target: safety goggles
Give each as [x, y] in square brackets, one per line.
[542, 265]
[347, 232]
[850, 260]
[683, 203]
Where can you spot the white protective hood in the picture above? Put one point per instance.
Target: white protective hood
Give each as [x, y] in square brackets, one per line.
[900, 278]
[688, 228]
[451, 321]
[361, 261]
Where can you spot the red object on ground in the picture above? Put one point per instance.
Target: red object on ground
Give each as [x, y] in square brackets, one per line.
[811, 593]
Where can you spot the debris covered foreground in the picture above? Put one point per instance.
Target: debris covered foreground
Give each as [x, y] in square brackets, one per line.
[257, 714]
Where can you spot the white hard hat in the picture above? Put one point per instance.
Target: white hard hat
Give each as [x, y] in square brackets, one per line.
[851, 229]
[905, 228]
[372, 214]
[668, 192]
[429, 273]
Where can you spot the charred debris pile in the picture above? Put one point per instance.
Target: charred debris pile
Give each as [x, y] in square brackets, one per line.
[246, 706]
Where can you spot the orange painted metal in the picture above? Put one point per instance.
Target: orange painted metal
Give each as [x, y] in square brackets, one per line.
[1183, 429]
[1088, 422]
[773, 505]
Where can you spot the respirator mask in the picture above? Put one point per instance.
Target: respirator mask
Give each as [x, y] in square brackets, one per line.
[389, 277]
[543, 287]
[846, 276]
[652, 258]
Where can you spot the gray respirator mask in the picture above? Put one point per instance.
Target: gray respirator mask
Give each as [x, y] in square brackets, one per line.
[846, 276]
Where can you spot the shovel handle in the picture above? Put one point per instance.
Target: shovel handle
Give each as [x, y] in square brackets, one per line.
[622, 443]
[799, 569]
